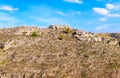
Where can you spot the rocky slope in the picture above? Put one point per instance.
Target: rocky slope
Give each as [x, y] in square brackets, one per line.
[58, 52]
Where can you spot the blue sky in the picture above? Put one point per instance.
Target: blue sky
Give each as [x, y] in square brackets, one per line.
[88, 15]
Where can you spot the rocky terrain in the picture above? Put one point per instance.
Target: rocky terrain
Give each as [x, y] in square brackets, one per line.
[58, 52]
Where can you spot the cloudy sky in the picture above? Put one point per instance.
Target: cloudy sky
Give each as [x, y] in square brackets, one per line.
[88, 15]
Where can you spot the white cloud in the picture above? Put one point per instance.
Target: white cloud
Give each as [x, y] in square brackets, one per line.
[7, 8]
[60, 12]
[101, 11]
[68, 13]
[6, 17]
[74, 1]
[114, 15]
[109, 10]
[76, 13]
[110, 6]
[7, 20]
[45, 15]
[117, 6]
[103, 19]
[49, 21]
[102, 27]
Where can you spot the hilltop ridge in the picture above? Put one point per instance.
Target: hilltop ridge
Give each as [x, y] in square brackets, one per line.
[58, 52]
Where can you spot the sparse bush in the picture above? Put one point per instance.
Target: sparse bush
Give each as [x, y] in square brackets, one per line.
[61, 37]
[34, 34]
[68, 30]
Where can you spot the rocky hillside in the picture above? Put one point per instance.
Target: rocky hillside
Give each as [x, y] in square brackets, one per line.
[58, 52]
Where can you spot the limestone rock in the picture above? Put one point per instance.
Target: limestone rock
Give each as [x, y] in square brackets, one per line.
[86, 36]
[26, 30]
[55, 27]
[113, 42]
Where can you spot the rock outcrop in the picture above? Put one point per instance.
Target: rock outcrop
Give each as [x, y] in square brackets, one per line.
[57, 27]
[91, 37]
[86, 36]
[25, 30]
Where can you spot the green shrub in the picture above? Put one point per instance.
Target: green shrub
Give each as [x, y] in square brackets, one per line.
[61, 37]
[68, 30]
[34, 34]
